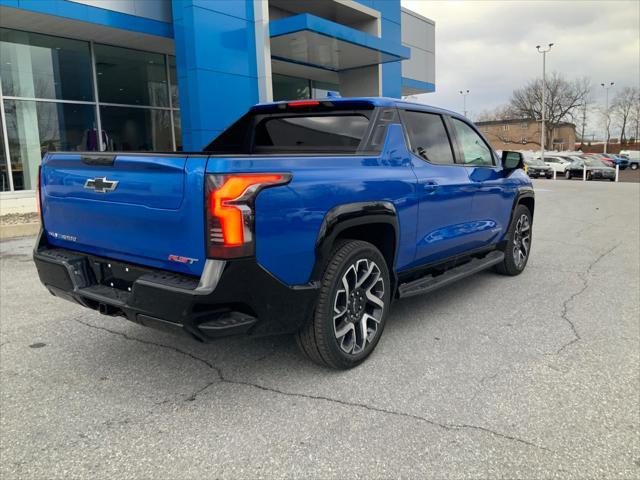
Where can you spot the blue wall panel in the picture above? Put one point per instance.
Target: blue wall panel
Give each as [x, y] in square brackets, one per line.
[216, 63]
[391, 32]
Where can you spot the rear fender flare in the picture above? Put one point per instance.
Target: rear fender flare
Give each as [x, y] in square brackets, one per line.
[345, 216]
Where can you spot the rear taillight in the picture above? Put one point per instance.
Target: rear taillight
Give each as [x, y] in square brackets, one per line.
[230, 211]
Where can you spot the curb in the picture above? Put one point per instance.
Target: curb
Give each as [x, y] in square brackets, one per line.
[19, 230]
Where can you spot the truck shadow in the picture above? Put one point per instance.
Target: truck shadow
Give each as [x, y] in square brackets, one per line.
[151, 356]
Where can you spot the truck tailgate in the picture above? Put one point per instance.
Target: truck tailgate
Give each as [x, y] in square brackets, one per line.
[146, 209]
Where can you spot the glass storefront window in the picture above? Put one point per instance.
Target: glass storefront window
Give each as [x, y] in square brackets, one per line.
[177, 126]
[4, 172]
[136, 129]
[290, 88]
[34, 128]
[42, 66]
[322, 89]
[173, 76]
[294, 88]
[36, 69]
[131, 77]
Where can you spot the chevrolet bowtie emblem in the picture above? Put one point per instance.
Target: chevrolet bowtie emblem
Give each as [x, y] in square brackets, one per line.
[100, 185]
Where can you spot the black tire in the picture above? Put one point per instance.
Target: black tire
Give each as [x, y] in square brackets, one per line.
[567, 174]
[512, 265]
[612, 179]
[589, 176]
[318, 338]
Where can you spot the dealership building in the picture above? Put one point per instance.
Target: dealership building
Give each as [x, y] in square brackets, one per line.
[163, 75]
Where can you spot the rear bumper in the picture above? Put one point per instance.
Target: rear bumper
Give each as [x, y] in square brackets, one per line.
[236, 297]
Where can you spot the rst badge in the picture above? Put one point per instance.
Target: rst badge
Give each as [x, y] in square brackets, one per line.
[180, 259]
[101, 184]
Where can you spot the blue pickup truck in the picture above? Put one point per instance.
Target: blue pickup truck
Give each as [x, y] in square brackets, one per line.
[306, 217]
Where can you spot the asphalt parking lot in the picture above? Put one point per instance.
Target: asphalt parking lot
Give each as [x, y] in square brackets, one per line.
[531, 377]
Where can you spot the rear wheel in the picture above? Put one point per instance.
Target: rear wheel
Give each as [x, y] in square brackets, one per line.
[634, 166]
[352, 307]
[567, 174]
[516, 253]
[589, 176]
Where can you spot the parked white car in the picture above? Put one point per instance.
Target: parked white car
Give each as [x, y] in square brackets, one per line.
[557, 164]
[633, 156]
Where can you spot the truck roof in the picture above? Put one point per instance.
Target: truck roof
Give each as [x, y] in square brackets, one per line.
[374, 101]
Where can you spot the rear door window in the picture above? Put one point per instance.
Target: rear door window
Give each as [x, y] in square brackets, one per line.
[311, 133]
[428, 137]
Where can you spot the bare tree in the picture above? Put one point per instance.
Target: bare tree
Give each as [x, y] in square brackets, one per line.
[502, 112]
[563, 100]
[634, 121]
[583, 114]
[622, 108]
[534, 140]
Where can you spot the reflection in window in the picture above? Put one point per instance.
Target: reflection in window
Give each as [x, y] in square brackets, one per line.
[428, 137]
[4, 172]
[326, 132]
[173, 77]
[290, 88]
[131, 76]
[136, 129]
[474, 150]
[177, 126]
[42, 66]
[35, 128]
[322, 89]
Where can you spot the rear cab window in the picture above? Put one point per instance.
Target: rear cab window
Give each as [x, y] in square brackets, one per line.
[325, 128]
[341, 132]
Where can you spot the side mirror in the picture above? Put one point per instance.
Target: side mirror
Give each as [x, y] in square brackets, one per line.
[511, 161]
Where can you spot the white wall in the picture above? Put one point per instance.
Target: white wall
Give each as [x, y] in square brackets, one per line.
[360, 82]
[419, 34]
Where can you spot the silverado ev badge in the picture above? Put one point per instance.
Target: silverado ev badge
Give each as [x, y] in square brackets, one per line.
[100, 184]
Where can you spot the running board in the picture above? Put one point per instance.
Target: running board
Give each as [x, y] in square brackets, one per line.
[430, 282]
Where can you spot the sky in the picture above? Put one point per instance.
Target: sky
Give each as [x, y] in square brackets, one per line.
[489, 47]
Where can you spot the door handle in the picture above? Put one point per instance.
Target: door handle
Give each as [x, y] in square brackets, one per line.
[429, 186]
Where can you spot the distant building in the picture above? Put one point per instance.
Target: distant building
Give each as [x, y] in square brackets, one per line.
[524, 134]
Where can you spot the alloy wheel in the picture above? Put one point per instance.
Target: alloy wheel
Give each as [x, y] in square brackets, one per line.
[521, 241]
[358, 306]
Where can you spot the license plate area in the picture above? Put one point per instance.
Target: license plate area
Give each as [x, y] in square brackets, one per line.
[116, 275]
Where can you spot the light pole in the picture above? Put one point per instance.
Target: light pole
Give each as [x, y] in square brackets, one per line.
[464, 94]
[544, 88]
[606, 112]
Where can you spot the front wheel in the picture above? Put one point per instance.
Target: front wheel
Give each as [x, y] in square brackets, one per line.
[634, 166]
[352, 307]
[516, 253]
[567, 174]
